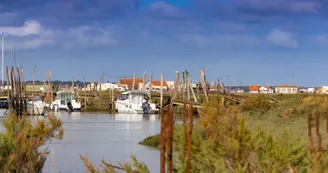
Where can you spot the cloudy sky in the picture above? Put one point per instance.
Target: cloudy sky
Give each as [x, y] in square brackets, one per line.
[245, 41]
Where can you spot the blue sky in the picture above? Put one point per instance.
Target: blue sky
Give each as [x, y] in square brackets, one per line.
[251, 41]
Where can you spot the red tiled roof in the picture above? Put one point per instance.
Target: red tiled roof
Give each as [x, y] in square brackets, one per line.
[158, 83]
[129, 81]
[254, 88]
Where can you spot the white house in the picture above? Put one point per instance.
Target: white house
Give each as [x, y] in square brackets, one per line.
[266, 90]
[156, 86]
[286, 89]
[310, 90]
[170, 85]
[109, 86]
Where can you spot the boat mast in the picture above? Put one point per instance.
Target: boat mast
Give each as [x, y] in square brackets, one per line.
[2, 55]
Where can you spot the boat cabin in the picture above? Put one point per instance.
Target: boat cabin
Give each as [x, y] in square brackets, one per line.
[65, 97]
[136, 97]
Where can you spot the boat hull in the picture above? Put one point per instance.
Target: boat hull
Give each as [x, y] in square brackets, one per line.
[125, 108]
[37, 110]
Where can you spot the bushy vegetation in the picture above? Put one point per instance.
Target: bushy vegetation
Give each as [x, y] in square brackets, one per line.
[151, 141]
[229, 139]
[136, 167]
[20, 143]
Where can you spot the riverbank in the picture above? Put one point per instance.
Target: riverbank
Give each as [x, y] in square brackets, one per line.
[290, 114]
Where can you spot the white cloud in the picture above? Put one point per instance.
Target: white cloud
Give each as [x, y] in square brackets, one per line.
[29, 28]
[86, 36]
[32, 35]
[282, 39]
[220, 41]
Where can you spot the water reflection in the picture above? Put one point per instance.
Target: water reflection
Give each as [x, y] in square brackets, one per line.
[112, 137]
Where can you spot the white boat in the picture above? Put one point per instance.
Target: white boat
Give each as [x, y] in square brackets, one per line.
[4, 106]
[66, 100]
[39, 106]
[135, 102]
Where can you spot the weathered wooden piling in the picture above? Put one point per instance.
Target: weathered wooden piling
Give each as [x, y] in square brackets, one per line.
[169, 121]
[191, 121]
[163, 143]
[185, 140]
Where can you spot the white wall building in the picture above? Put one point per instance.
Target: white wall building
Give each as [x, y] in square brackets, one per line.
[286, 89]
[266, 90]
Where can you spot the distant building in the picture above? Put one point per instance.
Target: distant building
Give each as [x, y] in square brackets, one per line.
[286, 89]
[240, 90]
[322, 90]
[109, 86]
[266, 90]
[254, 88]
[129, 82]
[156, 86]
[303, 90]
[170, 85]
[310, 90]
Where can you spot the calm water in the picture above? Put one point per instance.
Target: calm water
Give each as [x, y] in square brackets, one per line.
[103, 136]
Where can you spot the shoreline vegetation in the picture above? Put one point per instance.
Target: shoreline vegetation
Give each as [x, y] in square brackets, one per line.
[259, 135]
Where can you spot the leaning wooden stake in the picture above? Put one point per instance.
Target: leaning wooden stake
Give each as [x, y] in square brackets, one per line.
[163, 142]
[185, 116]
[204, 84]
[188, 84]
[169, 121]
[191, 121]
[176, 85]
[192, 89]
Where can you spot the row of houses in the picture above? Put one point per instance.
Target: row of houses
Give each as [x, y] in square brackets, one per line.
[126, 84]
[286, 89]
[283, 89]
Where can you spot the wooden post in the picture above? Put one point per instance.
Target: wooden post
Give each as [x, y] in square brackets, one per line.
[85, 95]
[176, 85]
[163, 143]
[170, 138]
[204, 84]
[192, 89]
[150, 84]
[133, 81]
[185, 116]
[33, 90]
[162, 83]
[191, 121]
[143, 82]
[188, 85]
